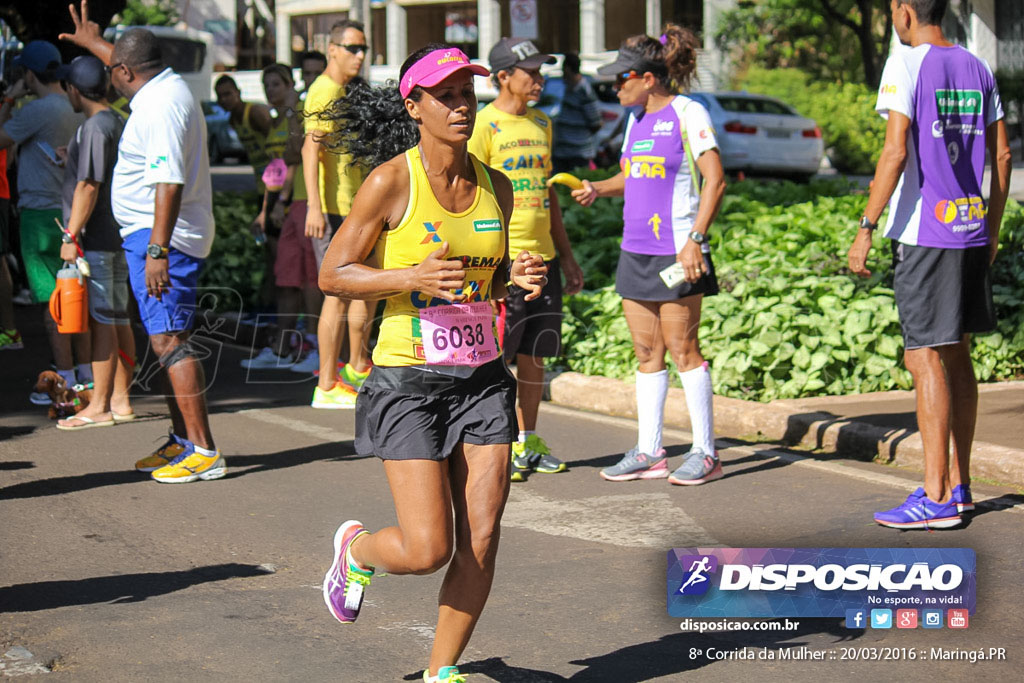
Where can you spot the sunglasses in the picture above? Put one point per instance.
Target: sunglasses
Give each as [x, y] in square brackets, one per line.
[110, 67]
[354, 48]
[620, 79]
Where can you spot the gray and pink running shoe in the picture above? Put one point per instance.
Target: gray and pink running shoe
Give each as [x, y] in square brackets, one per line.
[344, 582]
[637, 465]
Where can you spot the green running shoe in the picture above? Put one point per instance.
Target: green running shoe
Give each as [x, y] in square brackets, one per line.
[534, 455]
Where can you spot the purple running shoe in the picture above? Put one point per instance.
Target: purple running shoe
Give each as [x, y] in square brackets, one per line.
[344, 582]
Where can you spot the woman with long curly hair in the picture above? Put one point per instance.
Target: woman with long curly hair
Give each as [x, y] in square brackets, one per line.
[439, 406]
[673, 184]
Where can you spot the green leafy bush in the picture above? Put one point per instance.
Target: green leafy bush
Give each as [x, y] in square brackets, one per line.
[845, 112]
[790, 320]
[236, 262]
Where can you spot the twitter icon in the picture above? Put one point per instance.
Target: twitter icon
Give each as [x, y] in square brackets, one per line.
[881, 618]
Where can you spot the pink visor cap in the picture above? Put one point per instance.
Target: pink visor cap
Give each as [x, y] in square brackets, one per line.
[434, 67]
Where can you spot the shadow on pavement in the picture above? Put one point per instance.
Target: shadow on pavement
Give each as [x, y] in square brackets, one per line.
[341, 451]
[17, 465]
[43, 595]
[851, 440]
[666, 656]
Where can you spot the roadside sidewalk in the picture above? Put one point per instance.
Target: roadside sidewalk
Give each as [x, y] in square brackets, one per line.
[880, 426]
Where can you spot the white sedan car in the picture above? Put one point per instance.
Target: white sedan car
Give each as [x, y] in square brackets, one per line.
[759, 134]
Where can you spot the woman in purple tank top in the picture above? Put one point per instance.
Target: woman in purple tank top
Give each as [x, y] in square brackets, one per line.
[673, 184]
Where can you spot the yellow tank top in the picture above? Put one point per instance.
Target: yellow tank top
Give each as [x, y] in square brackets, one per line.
[252, 141]
[476, 236]
[277, 136]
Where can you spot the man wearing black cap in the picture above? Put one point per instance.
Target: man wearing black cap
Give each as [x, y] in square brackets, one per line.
[89, 224]
[38, 128]
[516, 139]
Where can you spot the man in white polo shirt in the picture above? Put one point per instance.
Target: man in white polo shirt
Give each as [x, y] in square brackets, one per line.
[161, 197]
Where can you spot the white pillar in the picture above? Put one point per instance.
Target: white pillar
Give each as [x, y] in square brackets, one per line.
[488, 19]
[397, 33]
[981, 32]
[283, 31]
[654, 18]
[591, 26]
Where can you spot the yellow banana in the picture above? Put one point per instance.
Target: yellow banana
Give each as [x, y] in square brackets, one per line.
[567, 179]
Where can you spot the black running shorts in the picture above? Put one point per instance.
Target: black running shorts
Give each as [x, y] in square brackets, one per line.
[942, 294]
[534, 328]
[638, 277]
[407, 413]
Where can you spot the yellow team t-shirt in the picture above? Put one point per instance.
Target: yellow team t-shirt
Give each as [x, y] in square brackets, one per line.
[338, 179]
[520, 147]
[476, 236]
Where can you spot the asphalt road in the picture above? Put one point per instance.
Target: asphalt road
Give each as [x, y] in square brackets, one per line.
[107, 576]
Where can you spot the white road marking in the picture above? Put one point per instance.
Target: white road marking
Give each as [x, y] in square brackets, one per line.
[302, 426]
[766, 453]
[637, 520]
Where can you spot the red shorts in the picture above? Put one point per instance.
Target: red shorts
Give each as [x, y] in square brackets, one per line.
[296, 263]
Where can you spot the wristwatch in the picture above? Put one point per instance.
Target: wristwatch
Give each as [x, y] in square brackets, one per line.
[698, 237]
[866, 224]
[156, 251]
[66, 238]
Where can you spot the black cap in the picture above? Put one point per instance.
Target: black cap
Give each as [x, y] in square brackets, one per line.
[510, 52]
[87, 74]
[629, 59]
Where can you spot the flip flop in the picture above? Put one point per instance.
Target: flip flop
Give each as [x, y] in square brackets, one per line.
[87, 423]
[123, 417]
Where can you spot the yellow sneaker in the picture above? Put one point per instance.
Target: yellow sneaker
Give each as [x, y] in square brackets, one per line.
[341, 397]
[353, 377]
[163, 455]
[190, 466]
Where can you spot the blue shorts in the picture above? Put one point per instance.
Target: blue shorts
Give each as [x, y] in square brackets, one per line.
[108, 287]
[175, 311]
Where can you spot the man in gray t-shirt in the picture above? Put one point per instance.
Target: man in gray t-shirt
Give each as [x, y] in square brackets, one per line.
[39, 128]
[91, 156]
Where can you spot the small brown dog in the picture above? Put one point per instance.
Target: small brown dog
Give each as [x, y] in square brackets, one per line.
[66, 401]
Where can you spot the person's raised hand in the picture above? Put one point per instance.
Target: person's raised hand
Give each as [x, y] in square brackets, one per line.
[87, 32]
[440, 277]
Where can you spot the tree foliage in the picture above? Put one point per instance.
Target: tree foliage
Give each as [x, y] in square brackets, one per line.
[832, 40]
[149, 13]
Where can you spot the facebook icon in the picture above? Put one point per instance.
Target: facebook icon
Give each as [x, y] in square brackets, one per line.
[856, 618]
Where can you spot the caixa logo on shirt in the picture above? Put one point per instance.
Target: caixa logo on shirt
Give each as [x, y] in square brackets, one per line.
[815, 582]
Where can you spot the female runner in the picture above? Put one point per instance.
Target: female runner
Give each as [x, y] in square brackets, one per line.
[439, 406]
[673, 184]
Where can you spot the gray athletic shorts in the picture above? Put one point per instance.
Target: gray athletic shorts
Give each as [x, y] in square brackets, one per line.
[408, 413]
[638, 277]
[942, 294]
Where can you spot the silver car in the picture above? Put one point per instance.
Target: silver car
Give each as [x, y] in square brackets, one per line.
[759, 134]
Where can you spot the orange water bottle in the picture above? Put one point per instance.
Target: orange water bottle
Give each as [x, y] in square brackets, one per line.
[69, 303]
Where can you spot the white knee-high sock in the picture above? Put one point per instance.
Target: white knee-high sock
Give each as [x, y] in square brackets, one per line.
[651, 389]
[699, 395]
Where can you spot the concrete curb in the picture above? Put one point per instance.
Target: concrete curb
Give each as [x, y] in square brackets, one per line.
[787, 424]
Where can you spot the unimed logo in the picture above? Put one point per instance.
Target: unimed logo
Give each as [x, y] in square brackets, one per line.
[696, 581]
[958, 101]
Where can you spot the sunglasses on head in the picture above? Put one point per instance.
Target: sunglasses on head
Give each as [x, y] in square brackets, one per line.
[354, 48]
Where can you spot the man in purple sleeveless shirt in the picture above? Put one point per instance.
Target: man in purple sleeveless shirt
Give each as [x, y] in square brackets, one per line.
[944, 112]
